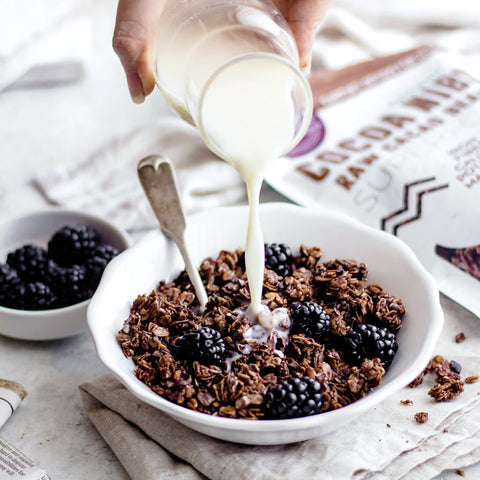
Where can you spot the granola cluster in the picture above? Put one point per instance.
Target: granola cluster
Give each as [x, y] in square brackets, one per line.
[236, 386]
[448, 384]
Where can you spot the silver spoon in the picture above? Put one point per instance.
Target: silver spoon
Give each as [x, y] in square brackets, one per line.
[158, 181]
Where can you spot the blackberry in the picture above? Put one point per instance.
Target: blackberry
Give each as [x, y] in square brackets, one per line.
[370, 341]
[36, 296]
[205, 345]
[73, 245]
[30, 262]
[278, 257]
[15, 297]
[69, 284]
[292, 398]
[101, 255]
[310, 319]
[9, 283]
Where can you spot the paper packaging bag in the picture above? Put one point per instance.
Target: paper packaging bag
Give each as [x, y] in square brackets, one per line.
[395, 143]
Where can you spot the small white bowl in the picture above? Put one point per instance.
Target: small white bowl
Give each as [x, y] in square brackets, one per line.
[37, 228]
[390, 263]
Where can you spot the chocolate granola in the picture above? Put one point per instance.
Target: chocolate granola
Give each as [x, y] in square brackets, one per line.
[235, 387]
[448, 384]
[421, 417]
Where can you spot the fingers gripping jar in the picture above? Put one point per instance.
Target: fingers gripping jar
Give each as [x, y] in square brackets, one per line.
[231, 65]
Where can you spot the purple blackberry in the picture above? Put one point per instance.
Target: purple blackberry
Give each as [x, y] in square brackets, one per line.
[370, 341]
[69, 284]
[310, 319]
[73, 245]
[36, 296]
[9, 284]
[292, 398]
[204, 345]
[278, 257]
[30, 262]
[96, 264]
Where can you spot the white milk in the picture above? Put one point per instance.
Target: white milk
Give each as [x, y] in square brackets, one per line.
[277, 321]
[195, 38]
[248, 113]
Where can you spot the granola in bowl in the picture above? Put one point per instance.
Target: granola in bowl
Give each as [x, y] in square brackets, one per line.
[391, 265]
[332, 337]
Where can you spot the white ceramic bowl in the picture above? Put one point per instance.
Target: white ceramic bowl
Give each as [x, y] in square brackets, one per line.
[390, 262]
[36, 228]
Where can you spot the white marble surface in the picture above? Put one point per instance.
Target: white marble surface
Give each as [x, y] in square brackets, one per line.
[40, 129]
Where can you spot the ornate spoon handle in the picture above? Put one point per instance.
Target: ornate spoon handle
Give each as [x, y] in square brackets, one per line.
[158, 181]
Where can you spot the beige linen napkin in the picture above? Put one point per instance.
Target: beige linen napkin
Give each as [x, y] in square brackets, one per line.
[385, 443]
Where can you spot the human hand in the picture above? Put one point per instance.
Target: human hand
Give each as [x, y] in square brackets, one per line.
[303, 17]
[132, 41]
[137, 20]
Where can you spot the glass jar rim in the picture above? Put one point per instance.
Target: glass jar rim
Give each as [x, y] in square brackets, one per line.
[253, 56]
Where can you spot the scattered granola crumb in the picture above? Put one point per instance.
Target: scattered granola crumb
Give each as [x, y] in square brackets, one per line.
[417, 381]
[446, 389]
[421, 417]
[445, 430]
[472, 379]
[460, 472]
[406, 402]
[388, 425]
[460, 337]
[447, 383]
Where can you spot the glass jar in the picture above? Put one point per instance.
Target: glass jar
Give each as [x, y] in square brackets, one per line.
[222, 65]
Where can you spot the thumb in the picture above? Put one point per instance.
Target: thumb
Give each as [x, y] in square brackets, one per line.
[303, 16]
[132, 41]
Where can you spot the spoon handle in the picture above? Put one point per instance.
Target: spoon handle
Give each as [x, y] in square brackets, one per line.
[158, 181]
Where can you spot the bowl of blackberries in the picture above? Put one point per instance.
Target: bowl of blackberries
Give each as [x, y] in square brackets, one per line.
[347, 317]
[51, 262]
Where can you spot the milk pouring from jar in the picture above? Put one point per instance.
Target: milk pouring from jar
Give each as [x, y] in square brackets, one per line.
[231, 69]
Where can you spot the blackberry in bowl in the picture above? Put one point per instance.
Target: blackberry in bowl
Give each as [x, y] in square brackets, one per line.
[278, 257]
[257, 391]
[204, 345]
[293, 398]
[40, 299]
[310, 319]
[73, 244]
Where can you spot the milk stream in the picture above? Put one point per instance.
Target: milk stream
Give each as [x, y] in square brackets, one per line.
[248, 112]
[223, 68]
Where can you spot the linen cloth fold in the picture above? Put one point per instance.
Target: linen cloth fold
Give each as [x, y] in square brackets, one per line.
[384, 443]
[355, 31]
[107, 184]
[43, 42]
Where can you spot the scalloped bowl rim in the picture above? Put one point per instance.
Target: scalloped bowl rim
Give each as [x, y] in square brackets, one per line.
[193, 418]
